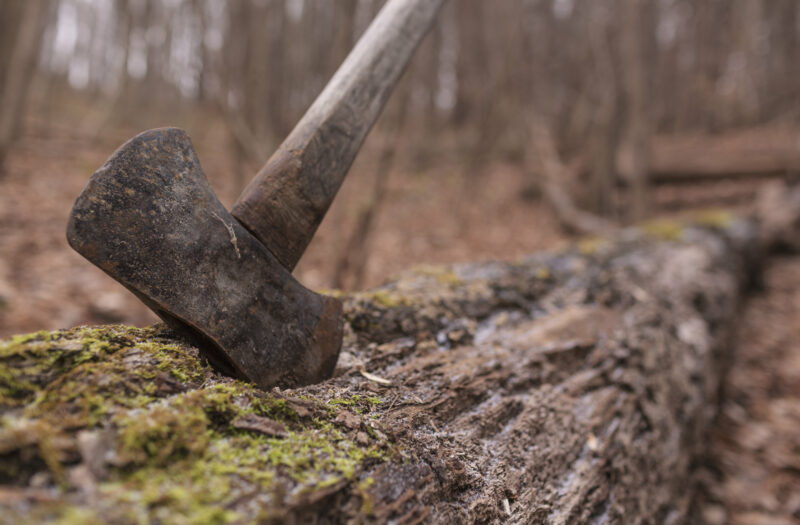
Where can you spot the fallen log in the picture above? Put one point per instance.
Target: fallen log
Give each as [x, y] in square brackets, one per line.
[705, 195]
[749, 153]
[571, 387]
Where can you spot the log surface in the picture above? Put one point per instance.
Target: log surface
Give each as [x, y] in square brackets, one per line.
[572, 387]
[579, 392]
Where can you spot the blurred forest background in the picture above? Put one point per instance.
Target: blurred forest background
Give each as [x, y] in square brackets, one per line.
[518, 123]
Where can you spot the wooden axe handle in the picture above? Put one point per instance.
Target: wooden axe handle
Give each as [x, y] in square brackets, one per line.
[288, 198]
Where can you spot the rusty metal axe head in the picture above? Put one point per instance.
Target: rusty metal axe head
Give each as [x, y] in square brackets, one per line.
[149, 219]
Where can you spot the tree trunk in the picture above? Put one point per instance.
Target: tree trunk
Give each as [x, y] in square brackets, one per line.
[634, 74]
[573, 387]
[18, 76]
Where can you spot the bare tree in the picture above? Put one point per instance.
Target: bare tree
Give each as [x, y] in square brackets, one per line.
[20, 69]
[608, 76]
[554, 176]
[635, 81]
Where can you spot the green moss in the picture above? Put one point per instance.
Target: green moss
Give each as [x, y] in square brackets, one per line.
[669, 230]
[176, 455]
[441, 274]
[108, 369]
[190, 491]
[332, 292]
[340, 401]
[162, 434]
[80, 516]
[30, 362]
[590, 245]
[383, 298]
[13, 387]
[277, 409]
[209, 473]
[357, 403]
[719, 219]
[363, 489]
[319, 456]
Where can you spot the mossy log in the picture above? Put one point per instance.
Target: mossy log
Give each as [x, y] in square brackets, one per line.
[571, 387]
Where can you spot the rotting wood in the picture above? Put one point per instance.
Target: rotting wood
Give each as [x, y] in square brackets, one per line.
[579, 396]
[563, 388]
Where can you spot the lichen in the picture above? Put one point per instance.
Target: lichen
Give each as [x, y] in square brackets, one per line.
[172, 450]
[713, 218]
[665, 229]
[332, 292]
[673, 229]
[442, 274]
[383, 298]
[590, 245]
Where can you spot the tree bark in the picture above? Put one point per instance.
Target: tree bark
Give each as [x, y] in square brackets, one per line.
[634, 74]
[21, 66]
[572, 387]
[566, 389]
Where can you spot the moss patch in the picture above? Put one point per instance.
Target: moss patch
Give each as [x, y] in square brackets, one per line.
[152, 428]
[668, 230]
[442, 274]
[357, 403]
[591, 245]
[718, 219]
[383, 298]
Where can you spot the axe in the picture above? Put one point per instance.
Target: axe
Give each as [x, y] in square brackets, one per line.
[150, 220]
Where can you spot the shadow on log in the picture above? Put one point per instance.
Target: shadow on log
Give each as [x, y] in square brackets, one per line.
[572, 387]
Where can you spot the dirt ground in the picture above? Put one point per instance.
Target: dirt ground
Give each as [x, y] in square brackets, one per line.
[752, 474]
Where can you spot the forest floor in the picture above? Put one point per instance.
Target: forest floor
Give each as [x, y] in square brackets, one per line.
[752, 474]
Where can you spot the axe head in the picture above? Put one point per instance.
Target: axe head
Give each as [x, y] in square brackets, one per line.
[150, 220]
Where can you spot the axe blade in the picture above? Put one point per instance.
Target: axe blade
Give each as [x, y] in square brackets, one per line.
[150, 220]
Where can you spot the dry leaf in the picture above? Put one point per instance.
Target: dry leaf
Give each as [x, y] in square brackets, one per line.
[373, 377]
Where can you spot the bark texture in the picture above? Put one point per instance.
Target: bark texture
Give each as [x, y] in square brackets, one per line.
[572, 387]
[575, 388]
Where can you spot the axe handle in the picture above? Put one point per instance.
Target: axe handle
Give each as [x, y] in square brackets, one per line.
[286, 201]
